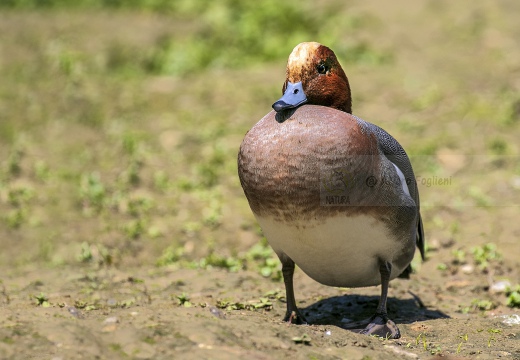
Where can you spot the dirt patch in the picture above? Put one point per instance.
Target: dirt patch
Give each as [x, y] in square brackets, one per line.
[157, 314]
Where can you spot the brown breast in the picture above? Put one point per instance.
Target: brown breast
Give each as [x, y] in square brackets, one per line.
[283, 166]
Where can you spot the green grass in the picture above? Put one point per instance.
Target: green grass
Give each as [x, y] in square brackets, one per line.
[249, 34]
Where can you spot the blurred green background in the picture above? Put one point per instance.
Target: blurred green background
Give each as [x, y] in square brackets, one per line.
[120, 121]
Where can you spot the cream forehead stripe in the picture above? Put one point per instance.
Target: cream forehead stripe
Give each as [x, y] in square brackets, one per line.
[300, 55]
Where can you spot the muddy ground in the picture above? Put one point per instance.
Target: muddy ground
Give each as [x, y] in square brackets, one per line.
[124, 231]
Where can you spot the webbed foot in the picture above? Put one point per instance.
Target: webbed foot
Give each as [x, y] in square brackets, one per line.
[381, 325]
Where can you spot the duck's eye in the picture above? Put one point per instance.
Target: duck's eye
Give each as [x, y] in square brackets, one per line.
[322, 69]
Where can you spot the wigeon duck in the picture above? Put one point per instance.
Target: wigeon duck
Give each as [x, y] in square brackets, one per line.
[333, 193]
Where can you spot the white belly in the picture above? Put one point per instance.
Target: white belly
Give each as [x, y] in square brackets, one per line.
[341, 251]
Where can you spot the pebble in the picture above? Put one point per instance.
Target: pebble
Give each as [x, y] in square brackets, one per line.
[74, 312]
[500, 287]
[467, 269]
[217, 312]
[111, 320]
[513, 319]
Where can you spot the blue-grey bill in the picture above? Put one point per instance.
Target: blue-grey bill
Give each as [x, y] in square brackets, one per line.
[294, 96]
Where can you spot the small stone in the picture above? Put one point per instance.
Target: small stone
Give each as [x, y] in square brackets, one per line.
[74, 312]
[513, 319]
[328, 332]
[112, 302]
[467, 269]
[500, 287]
[111, 320]
[217, 312]
[134, 313]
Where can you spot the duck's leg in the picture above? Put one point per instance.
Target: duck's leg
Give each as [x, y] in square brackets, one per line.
[292, 315]
[380, 324]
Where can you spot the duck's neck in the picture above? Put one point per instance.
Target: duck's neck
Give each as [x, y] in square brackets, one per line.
[345, 100]
[346, 107]
[339, 100]
[335, 94]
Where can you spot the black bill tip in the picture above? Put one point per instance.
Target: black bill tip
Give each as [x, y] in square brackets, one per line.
[281, 105]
